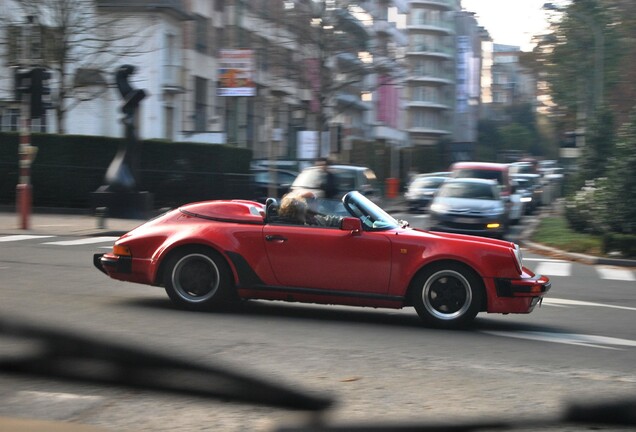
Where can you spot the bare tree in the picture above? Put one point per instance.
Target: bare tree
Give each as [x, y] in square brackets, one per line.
[337, 56]
[77, 41]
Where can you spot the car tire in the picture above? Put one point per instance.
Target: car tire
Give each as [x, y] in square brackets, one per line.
[448, 295]
[197, 279]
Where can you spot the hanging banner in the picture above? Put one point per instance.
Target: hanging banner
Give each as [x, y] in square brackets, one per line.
[236, 73]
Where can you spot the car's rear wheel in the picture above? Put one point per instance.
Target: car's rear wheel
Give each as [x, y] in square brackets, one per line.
[448, 295]
[197, 278]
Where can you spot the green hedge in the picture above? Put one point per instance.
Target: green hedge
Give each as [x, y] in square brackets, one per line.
[68, 168]
[625, 244]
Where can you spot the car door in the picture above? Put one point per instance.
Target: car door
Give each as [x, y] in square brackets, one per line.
[329, 258]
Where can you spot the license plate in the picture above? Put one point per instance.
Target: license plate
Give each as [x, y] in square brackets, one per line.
[465, 220]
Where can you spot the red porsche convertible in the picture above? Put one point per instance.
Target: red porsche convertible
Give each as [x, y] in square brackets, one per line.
[208, 253]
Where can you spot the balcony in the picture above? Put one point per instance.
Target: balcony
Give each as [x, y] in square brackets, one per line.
[171, 79]
[445, 4]
[423, 130]
[432, 104]
[436, 79]
[431, 51]
[432, 25]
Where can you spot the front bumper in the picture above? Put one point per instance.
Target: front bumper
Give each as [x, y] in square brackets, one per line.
[109, 264]
[526, 287]
[468, 225]
[517, 295]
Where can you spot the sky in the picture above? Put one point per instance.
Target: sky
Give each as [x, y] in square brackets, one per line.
[510, 22]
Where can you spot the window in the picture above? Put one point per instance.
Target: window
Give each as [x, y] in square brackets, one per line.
[200, 103]
[169, 123]
[201, 34]
[10, 120]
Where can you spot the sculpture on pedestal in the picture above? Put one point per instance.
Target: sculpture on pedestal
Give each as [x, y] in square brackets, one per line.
[120, 195]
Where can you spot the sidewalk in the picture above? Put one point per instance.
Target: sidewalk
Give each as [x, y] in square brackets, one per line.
[65, 224]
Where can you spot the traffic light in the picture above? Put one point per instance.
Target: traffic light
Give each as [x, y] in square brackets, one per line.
[39, 89]
[35, 83]
[22, 83]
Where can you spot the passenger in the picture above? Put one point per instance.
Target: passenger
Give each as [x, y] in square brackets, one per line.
[293, 209]
[299, 207]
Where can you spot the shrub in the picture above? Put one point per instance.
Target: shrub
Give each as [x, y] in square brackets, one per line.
[587, 210]
[623, 243]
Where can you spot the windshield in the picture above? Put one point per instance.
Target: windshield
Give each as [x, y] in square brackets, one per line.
[523, 183]
[468, 190]
[480, 173]
[427, 182]
[372, 216]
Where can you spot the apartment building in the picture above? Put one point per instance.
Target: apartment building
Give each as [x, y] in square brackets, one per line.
[431, 51]
[511, 84]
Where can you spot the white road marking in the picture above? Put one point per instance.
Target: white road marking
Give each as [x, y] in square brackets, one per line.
[83, 241]
[592, 341]
[20, 237]
[615, 274]
[554, 268]
[564, 302]
[59, 396]
[545, 260]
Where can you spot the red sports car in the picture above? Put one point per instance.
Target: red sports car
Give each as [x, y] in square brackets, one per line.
[208, 253]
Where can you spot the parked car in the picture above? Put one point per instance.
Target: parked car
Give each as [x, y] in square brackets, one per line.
[485, 170]
[535, 185]
[422, 188]
[266, 180]
[499, 172]
[517, 204]
[348, 178]
[523, 168]
[469, 206]
[525, 190]
[208, 253]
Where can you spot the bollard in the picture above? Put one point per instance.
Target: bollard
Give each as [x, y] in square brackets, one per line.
[100, 213]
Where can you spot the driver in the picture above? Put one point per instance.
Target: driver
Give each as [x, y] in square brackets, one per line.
[299, 207]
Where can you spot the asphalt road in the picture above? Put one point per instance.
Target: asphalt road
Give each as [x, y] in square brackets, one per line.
[379, 365]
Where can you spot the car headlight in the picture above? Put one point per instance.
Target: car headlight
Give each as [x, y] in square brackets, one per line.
[498, 212]
[439, 208]
[518, 257]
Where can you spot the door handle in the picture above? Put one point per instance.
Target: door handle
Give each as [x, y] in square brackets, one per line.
[275, 238]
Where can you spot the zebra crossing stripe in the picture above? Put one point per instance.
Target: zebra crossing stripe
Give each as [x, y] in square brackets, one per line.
[83, 241]
[565, 302]
[20, 237]
[553, 268]
[615, 274]
[592, 341]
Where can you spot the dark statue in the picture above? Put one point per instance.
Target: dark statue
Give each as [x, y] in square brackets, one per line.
[119, 196]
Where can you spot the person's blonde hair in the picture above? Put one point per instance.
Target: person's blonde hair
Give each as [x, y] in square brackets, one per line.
[293, 206]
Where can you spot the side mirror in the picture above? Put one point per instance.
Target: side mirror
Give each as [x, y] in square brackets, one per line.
[351, 224]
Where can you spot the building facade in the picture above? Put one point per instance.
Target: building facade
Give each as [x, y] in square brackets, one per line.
[431, 52]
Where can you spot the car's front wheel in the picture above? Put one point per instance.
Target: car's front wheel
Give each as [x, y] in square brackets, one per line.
[448, 295]
[197, 278]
